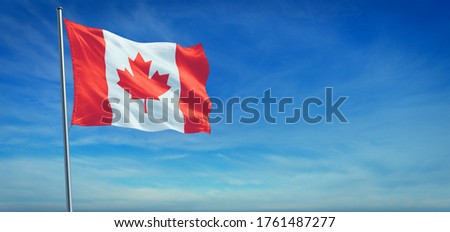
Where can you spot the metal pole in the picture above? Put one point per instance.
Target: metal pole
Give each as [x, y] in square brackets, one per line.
[64, 110]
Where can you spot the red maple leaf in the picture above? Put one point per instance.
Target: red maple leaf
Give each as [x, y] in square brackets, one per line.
[139, 85]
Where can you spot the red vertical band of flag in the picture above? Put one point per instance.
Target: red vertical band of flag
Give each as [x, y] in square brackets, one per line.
[91, 105]
[195, 105]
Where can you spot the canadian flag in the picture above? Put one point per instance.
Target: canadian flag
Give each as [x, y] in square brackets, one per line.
[145, 86]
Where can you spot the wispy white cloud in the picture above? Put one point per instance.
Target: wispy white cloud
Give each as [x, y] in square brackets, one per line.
[30, 54]
[359, 176]
[170, 157]
[31, 184]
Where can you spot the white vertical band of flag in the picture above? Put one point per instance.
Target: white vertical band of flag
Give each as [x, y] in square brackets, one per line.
[64, 111]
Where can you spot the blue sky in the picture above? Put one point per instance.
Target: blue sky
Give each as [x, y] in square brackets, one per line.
[391, 58]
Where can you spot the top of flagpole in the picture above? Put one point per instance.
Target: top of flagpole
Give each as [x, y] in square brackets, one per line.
[59, 8]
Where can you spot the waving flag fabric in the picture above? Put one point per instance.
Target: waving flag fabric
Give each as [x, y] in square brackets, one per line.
[145, 86]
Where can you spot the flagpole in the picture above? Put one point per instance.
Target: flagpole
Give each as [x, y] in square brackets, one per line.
[64, 111]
